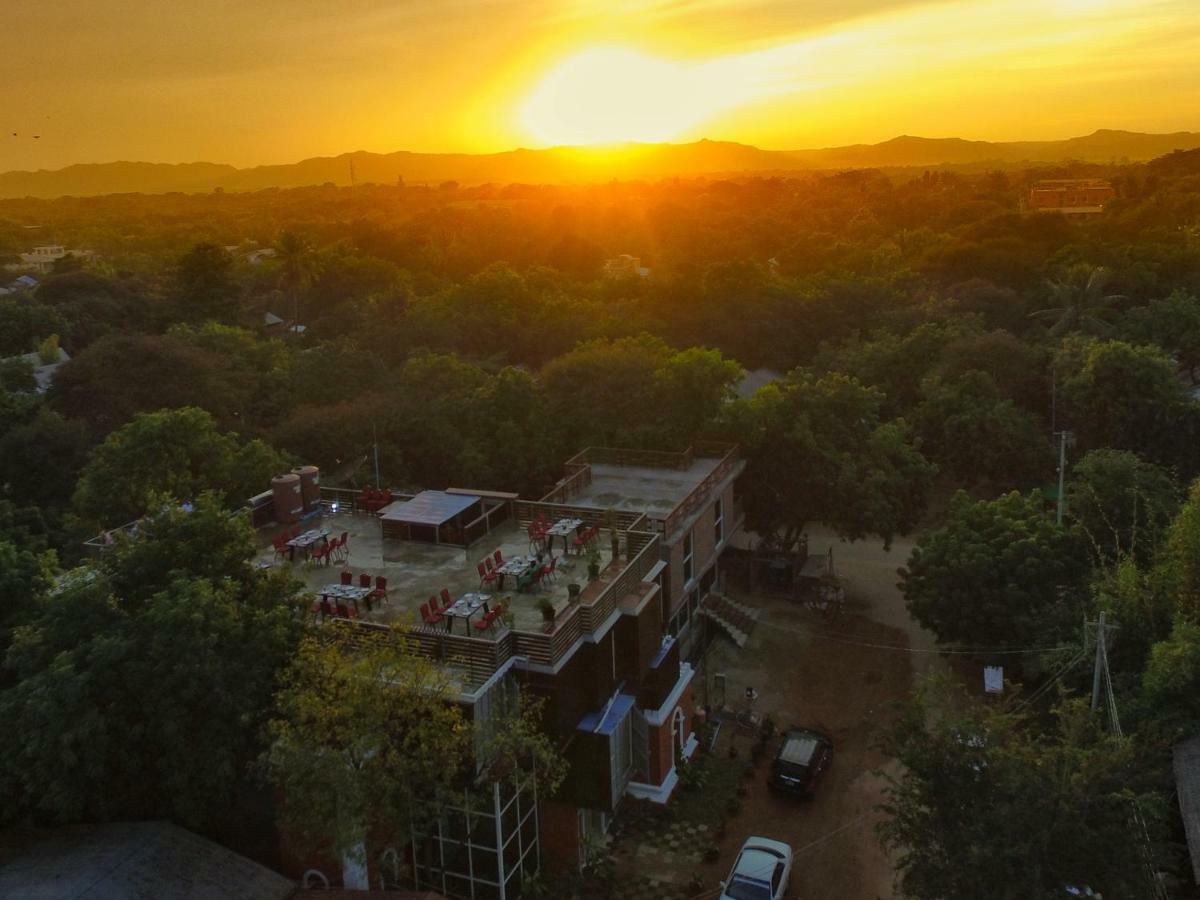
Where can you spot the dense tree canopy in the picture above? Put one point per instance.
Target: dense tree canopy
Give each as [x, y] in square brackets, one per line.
[818, 451]
[997, 573]
[988, 806]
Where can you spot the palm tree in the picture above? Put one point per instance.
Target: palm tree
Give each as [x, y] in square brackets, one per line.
[298, 266]
[1082, 304]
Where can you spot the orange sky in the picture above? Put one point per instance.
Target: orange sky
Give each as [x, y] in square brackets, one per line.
[259, 81]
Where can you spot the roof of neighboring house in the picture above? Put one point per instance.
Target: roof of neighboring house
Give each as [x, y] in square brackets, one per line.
[43, 373]
[26, 281]
[271, 319]
[1187, 784]
[754, 380]
[129, 861]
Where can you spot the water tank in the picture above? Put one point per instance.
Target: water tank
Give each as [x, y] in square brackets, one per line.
[289, 501]
[310, 485]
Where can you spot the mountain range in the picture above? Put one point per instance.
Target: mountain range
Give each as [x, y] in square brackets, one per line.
[558, 165]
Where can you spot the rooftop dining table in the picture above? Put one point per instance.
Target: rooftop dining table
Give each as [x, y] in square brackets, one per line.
[563, 528]
[306, 540]
[516, 566]
[351, 592]
[464, 608]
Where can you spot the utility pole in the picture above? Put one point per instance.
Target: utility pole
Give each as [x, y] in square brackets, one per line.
[1063, 437]
[1101, 662]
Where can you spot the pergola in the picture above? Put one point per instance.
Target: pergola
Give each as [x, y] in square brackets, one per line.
[428, 513]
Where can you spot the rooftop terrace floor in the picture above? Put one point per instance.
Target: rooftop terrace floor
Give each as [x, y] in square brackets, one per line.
[415, 571]
[648, 489]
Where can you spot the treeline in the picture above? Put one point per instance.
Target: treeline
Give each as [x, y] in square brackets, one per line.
[920, 336]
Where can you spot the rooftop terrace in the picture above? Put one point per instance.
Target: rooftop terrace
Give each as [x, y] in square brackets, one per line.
[415, 571]
[667, 488]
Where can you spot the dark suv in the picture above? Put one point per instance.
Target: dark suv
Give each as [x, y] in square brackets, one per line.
[803, 757]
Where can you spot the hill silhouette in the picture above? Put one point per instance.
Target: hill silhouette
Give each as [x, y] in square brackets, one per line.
[557, 165]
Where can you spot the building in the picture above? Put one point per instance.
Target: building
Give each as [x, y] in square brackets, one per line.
[609, 656]
[129, 859]
[625, 266]
[42, 259]
[1071, 196]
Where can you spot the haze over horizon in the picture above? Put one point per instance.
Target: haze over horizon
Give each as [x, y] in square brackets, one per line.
[265, 82]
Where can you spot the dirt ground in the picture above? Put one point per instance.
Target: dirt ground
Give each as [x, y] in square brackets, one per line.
[809, 670]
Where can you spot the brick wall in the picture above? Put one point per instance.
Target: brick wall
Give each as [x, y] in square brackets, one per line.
[662, 754]
[559, 834]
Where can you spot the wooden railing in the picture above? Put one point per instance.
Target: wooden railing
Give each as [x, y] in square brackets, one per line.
[496, 514]
[650, 459]
[578, 477]
[480, 657]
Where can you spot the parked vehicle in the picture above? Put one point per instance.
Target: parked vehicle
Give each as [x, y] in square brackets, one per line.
[804, 755]
[760, 872]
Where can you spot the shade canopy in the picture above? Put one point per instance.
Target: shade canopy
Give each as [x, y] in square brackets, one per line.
[428, 508]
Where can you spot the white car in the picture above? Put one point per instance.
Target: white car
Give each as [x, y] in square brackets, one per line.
[761, 871]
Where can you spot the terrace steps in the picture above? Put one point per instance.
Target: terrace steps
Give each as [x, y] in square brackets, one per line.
[735, 619]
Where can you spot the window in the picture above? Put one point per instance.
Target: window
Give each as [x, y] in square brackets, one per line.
[718, 522]
[687, 557]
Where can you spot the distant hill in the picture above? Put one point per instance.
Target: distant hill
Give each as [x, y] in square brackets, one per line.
[558, 165]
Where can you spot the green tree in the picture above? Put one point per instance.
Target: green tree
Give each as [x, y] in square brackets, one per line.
[366, 738]
[818, 451]
[297, 268]
[1117, 395]
[1081, 303]
[203, 284]
[988, 806]
[152, 703]
[176, 453]
[1173, 323]
[1123, 504]
[977, 436]
[997, 573]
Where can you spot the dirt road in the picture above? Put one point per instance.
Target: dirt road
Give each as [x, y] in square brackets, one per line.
[836, 675]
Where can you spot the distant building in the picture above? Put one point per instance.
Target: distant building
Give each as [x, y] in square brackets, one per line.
[42, 259]
[1071, 196]
[625, 266]
[43, 372]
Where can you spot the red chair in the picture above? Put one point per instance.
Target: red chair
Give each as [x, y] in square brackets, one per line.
[485, 577]
[343, 550]
[326, 609]
[347, 578]
[346, 612]
[446, 601]
[548, 569]
[499, 558]
[281, 547]
[364, 580]
[486, 621]
[380, 593]
[431, 617]
[321, 554]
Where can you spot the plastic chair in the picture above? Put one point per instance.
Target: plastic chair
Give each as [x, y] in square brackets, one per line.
[321, 554]
[345, 612]
[548, 570]
[499, 558]
[431, 616]
[347, 578]
[446, 601]
[343, 550]
[485, 577]
[381, 592]
[364, 580]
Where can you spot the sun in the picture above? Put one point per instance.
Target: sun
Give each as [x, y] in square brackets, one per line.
[609, 95]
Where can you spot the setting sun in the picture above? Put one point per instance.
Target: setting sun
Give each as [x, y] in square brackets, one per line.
[607, 95]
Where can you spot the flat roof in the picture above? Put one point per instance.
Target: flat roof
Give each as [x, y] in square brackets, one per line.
[647, 489]
[428, 508]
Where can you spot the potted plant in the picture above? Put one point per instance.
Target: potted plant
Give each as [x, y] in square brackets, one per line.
[614, 537]
[547, 608]
[593, 558]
